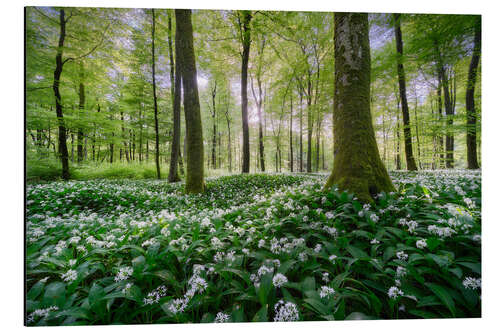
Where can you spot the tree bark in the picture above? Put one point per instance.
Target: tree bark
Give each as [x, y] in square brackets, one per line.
[175, 90]
[157, 135]
[290, 134]
[410, 160]
[301, 146]
[63, 148]
[214, 124]
[81, 106]
[246, 40]
[194, 131]
[357, 166]
[472, 162]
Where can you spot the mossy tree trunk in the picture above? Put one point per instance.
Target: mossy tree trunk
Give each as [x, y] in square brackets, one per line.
[410, 160]
[194, 132]
[175, 90]
[63, 148]
[472, 162]
[357, 166]
[245, 33]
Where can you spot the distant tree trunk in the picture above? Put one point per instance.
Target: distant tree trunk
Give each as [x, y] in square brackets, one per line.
[309, 124]
[125, 149]
[246, 40]
[398, 139]
[419, 158]
[448, 107]
[228, 121]
[357, 166]
[72, 148]
[290, 133]
[472, 162]
[175, 90]
[194, 130]
[301, 148]
[214, 124]
[63, 148]
[410, 160]
[157, 135]
[81, 105]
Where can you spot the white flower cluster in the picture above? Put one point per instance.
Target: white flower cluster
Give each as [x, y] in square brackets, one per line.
[472, 283]
[402, 255]
[41, 313]
[421, 243]
[394, 292]
[222, 317]
[286, 311]
[412, 225]
[150, 242]
[332, 231]
[153, 296]
[279, 280]
[400, 271]
[441, 231]
[284, 245]
[70, 275]
[326, 291]
[124, 273]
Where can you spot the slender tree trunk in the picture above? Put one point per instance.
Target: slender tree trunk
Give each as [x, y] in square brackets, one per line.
[157, 135]
[309, 124]
[247, 16]
[398, 139]
[194, 130]
[125, 149]
[291, 133]
[410, 160]
[472, 162]
[357, 165]
[301, 148]
[63, 148]
[214, 124]
[175, 90]
[448, 107]
[81, 105]
[419, 158]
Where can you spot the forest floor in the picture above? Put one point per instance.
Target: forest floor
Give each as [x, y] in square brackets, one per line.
[257, 247]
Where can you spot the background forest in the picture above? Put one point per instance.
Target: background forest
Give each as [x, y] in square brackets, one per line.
[108, 102]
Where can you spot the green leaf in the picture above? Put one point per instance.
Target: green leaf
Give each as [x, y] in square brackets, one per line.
[357, 253]
[443, 295]
[35, 290]
[264, 288]
[261, 315]
[358, 316]
[55, 294]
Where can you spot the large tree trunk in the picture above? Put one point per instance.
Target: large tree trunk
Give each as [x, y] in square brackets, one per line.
[194, 131]
[63, 148]
[410, 160]
[175, 90]
[290, 157]
[157, 135]
[244, 96]
[81, 106]
[357, 166]
[301, 146]
[472, 162]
